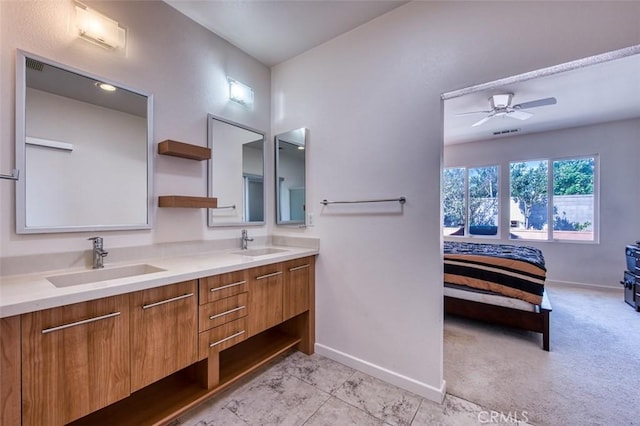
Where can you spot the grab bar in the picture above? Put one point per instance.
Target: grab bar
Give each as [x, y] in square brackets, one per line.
[15, 174]
[400, 200]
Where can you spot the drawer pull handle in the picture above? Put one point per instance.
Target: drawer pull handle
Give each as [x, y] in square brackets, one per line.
[227, 286]
[297, 268]
[239, 333]
[162, 302]
[230, 311]
[73, 324]
[273, 274]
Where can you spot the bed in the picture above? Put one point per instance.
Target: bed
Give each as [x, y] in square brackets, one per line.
[497, 283]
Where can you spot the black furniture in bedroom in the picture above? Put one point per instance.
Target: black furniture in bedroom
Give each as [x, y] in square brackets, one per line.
[631, 280]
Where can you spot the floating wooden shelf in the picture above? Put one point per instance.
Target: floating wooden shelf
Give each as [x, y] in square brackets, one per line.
[163, 401]
[188, 202]
[183, 150]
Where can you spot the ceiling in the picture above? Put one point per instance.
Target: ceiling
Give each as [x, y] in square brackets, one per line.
[273, 31]
[598, 93]
[59, 81]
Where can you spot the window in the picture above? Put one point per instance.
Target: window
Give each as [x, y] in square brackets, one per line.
[453, 184]
[528, 209]
[548, 200]
[573, 199]
[481, 186]
[483, 201]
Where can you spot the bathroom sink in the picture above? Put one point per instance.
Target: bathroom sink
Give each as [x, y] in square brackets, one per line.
[260, 251]
[97, 275]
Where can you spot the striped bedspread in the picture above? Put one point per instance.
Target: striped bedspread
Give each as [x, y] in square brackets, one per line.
[512, 271]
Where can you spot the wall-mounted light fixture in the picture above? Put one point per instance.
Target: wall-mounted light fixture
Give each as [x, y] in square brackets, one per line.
[97, 28]
[240, 93]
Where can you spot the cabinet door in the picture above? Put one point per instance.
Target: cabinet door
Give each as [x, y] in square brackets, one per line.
[265, 297]
[297, 286]
[164, 332]
[75, 360]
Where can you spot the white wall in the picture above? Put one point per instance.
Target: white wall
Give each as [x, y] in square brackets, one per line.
[618, 148]
[182, 64]
[371, 99]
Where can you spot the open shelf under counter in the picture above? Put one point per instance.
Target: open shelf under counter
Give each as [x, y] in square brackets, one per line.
[184, 150]
[163, 401]
[187, 202]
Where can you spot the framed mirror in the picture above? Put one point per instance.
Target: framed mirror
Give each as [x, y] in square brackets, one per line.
[235, 173]
[290, 156]
[84, 149]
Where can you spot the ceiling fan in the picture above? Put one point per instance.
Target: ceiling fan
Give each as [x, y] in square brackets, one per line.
[501, 107]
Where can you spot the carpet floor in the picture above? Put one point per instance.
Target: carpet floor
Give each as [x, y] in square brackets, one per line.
[591, 376]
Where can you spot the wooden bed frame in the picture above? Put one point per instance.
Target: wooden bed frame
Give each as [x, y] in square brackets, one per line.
[530, 321]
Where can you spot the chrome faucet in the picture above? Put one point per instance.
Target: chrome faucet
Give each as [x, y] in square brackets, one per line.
[98, 253]
[245, 239]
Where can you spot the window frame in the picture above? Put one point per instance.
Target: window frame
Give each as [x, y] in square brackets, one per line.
[467, 202]
[504, 214]
[596, 198]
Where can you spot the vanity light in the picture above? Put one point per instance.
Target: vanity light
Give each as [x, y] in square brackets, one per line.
[97, 28]
[106, 87]
[240, 93]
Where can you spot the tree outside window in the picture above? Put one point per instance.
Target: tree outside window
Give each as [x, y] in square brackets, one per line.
[483, 201]
[529, 197]
[453, 192]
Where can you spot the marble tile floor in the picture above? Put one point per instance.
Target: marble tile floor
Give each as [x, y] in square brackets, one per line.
[313, 391]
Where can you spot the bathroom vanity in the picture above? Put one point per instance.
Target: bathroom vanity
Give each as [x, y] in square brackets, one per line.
[144, 349]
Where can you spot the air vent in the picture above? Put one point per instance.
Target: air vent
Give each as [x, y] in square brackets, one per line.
[505, 132]
[34, 65]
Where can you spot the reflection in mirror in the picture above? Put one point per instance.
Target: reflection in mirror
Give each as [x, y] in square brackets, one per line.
[236, 173]
[83, 146]
[290, 177]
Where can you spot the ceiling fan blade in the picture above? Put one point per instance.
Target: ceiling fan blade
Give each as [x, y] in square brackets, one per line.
[474, 112]
[520, 115]
[484, 120]
[536, 103]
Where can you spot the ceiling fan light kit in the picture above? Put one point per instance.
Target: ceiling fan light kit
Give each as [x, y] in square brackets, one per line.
[500, 101]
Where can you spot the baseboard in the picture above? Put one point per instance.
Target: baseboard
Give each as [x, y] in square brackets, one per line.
[552, 283]
[427, 391]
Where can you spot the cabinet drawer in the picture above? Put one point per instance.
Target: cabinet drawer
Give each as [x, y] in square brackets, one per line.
[221, 286]
[222, 311]
[222, 337]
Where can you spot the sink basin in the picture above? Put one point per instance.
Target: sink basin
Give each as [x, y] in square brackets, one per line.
[97, 275]
[260, 251]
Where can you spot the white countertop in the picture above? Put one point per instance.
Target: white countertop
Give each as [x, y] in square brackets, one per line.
[20, 294]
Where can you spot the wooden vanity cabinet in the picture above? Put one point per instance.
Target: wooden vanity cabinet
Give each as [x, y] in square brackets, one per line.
[164, 332]
[146, 357]
[297, 288]
[266, 287]
[75, 360]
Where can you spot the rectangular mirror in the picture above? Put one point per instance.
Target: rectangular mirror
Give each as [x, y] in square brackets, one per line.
[290, 155]
[83, 147]
[236, 173]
